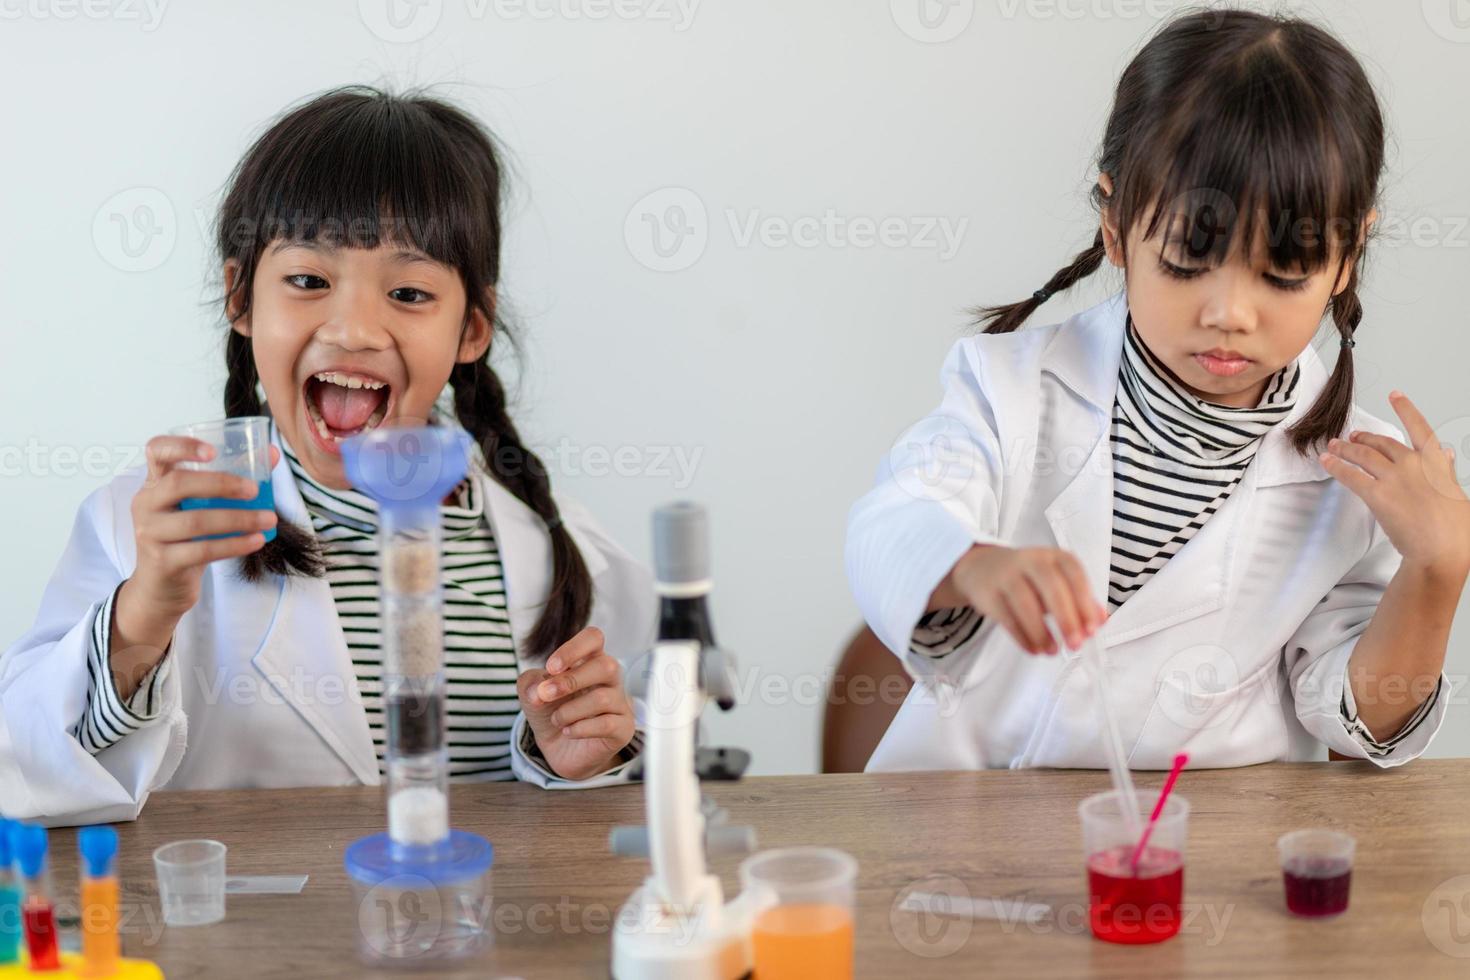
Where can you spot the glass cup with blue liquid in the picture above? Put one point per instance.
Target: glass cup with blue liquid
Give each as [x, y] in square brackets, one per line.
[242, 446]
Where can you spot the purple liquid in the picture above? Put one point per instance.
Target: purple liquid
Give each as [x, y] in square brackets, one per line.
[1317, 886]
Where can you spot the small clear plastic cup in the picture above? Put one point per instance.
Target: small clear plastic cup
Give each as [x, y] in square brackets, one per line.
[242, 446]
[1128, 904]
[1316, 871]
[191, 882]
[807, 930]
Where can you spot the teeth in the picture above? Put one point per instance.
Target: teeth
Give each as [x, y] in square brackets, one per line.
[348, 380]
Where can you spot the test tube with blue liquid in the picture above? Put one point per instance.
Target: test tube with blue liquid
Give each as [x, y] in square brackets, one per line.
[242, 446]
[10, 899]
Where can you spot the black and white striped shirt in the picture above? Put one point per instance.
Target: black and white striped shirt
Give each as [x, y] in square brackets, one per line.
[1176, 458]
[108, 717]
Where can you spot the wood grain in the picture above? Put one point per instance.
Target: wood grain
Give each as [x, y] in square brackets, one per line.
[557, 889]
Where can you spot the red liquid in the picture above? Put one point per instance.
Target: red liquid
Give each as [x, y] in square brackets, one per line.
[1317, 886]
[1123, 908]
[41, 935]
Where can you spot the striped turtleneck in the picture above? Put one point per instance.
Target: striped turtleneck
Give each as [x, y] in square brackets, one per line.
[1176, 458]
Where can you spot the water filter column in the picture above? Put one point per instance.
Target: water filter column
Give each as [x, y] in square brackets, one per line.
[422, 890]
[408, 472]
[412, 628]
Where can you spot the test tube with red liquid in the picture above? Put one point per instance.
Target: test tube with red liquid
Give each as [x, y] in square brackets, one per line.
[28, 846]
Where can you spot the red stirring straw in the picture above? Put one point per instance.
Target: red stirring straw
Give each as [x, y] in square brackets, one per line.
[1179, 762]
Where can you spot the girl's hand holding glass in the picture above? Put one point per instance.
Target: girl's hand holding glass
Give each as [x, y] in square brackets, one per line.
[171, 556]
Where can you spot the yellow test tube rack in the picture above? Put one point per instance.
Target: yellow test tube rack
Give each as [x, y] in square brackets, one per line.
[72, 968]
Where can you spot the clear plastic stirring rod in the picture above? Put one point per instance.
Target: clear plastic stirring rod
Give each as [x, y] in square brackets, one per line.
[1117, 761]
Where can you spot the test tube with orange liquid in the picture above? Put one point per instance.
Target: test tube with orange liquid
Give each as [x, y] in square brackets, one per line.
[808, 930]
[100, 947]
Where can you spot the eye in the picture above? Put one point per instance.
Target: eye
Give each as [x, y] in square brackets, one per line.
[306, 280]
[1177, 271]
[410, 295]
[1289, 285]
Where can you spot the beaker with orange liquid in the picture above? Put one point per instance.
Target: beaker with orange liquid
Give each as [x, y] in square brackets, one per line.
[807, 931]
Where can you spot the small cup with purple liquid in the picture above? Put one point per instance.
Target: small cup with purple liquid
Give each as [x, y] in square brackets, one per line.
[1317, 869]
[242, 446]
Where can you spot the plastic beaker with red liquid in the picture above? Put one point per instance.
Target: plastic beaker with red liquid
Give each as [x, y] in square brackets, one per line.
[1317, 871]
[1130, 902]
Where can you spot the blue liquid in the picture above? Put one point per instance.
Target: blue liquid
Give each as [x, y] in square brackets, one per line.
[10, 928]
[265, 499]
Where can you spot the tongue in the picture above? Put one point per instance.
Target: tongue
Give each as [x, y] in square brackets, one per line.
[346, 408]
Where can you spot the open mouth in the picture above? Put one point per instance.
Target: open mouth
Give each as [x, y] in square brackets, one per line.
[340, 405]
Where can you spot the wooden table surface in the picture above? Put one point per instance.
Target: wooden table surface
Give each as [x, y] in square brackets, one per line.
[557, 890]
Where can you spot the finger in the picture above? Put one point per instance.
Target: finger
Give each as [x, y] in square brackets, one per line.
[1007, 620]
[574, 651]
[1025, 607]
[526, 683]
[166, 452]
[275, 457]
[1371, 460]
[617, 727]
[186, 525]
[190, 554]
[179, 485]
[1056, 598]
[1386, 445]
[1418, 427]
[1093, 611]
[588, 704]
[1349, 475]
[589, 673]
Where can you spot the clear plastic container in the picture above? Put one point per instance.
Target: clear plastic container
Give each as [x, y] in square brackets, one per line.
[1316, 871]
[191, 882]
[242, 446]
[1130, 903]
[420, 904]
[807, 930]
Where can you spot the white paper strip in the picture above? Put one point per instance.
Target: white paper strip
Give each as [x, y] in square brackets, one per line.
[265, 884]
[964, 907]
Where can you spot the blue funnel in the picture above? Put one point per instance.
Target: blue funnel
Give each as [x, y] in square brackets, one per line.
[407, 470]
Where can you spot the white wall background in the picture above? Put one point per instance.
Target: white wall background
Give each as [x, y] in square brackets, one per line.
[788, 369]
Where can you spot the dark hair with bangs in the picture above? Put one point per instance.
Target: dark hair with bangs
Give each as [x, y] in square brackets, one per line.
[1225, 115]
[357, 167]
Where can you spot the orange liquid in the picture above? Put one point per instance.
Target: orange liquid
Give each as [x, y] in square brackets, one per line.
[99, 926]
[803, 942]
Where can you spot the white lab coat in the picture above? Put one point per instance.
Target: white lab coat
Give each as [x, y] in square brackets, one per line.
[261, 692]
[1235, 651]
